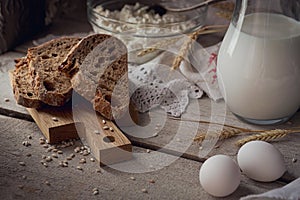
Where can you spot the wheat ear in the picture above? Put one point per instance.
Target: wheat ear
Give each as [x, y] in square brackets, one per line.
[192, 37]
[266, 136]
[226, 133]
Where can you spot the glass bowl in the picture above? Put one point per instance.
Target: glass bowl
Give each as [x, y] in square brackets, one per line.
[142, 28]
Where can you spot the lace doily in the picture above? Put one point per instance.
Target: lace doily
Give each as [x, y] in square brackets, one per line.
[154, 84]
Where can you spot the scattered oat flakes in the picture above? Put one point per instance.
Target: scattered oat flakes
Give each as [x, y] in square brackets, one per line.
[6, 99]
[47, 183]
[132, 178]
[148, 151]
[22, 163]
[111, 129]
[60, 152]
[294, 160]
[103, 121]
[105, 127]
[24, 177]
[92, 159]
[79, 168]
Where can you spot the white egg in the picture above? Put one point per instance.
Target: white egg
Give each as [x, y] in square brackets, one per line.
[261, 161]
[220, 175]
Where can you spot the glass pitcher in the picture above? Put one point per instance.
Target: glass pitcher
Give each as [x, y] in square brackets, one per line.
[258, 66]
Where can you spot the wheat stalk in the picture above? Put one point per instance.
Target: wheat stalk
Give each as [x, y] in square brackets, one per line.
[156, 46]
[192, 37]
[226, 133]
[185, 47]
[266, 136]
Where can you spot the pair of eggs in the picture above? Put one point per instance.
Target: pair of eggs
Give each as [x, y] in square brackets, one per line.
[220, 175]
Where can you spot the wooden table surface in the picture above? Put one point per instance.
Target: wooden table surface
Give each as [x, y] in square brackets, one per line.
[178, 180]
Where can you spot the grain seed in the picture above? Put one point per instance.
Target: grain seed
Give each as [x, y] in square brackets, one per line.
[148, 151]
[28, 154]
[45, 165]
[60, 164]
[144, 190]
[151, 181]
[6, 99]
[97, 132]
[85, 153]
[24, 177]
[77, 150]
[98, 171]
[103, 121]
[92, 159]
[55, 150]
[21, 186]
[69, 158]
[26, 143]
[105, 127]
[44, 156]
[60, 152]
[48, 159]
[111, 129]
[42, 142]
[95, 189]
[294, 160]
[54, 119]
[79, 168]
[22, 163]
[47, 183]
[29, 137]
[132, 178]
[46, 146]
[65, 164]
[54, 155]
[82, 161]
[96, 192]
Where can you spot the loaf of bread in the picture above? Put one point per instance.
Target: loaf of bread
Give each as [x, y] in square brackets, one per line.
[37, 80]
[98, 68]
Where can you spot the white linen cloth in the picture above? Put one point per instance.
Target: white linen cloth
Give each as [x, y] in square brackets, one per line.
[290, 191]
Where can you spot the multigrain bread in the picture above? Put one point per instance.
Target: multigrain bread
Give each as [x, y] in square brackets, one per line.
[36, 79]
[23, 87]
[52, 86]
[98, 68]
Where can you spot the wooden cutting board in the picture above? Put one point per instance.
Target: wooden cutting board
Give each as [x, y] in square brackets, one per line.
[78, 119]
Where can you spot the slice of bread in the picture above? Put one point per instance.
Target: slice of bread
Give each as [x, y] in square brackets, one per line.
[52, 86]
[98, 67]
[23, 87]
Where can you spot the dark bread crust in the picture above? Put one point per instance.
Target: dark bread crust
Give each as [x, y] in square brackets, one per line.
[23, 88]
